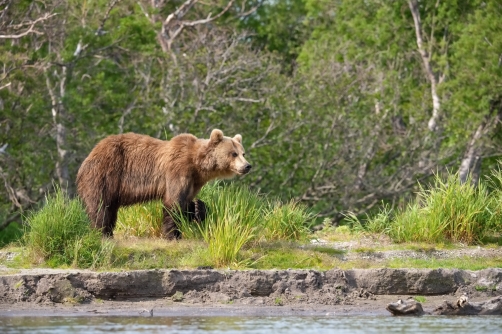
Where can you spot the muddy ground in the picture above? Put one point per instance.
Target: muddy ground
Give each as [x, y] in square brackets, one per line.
[229, 292]
[249, 292]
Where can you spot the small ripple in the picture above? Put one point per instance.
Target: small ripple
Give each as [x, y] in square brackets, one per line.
[239, 325]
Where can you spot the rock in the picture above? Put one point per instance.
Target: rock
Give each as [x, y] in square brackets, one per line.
[407, 307]
[178, 296]
[489, 307]
[463, 300]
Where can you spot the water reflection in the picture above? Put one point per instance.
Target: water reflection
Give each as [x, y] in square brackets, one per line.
[275, 325]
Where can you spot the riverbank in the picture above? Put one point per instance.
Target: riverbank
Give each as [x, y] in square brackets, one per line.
[230, 292]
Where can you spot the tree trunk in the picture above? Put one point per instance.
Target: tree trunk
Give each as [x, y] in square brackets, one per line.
[433, 123]
[59, 116]
[472, 159]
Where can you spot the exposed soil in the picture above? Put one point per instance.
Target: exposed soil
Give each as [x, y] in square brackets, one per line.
[363, 248]
[253, 292]
[249, 292]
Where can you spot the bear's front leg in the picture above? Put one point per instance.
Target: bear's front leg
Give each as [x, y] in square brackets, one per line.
[197, 211]
[194, 211]
[170, 230]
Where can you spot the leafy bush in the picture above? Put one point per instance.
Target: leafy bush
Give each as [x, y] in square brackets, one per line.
[60, 233]
[12, 233]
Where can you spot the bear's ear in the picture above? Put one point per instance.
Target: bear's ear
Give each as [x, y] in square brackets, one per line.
[216, 136]
[238, 138]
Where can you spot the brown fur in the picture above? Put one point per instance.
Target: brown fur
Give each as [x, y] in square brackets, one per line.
[130, 168]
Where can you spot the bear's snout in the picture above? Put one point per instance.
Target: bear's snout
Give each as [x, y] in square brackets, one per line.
[247, 168]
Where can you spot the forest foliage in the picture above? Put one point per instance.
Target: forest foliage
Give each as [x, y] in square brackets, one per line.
[343, 105]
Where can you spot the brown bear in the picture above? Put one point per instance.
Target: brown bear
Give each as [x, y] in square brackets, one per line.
[131, 168]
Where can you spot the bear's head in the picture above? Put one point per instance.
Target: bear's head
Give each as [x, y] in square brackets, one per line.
[225, 156]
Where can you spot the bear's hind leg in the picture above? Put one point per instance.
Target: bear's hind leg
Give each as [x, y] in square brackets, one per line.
[111, 220]
[105, 219]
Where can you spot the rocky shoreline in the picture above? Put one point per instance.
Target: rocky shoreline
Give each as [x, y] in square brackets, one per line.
[266, 292]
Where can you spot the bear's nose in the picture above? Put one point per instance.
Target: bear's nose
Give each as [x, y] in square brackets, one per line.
[248, 167]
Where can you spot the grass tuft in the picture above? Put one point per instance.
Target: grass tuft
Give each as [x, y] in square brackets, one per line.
[288, 221]
[420, 299]
[60, 234]
[447, 212]
[142, 220]
[234, 215]
[238, 217]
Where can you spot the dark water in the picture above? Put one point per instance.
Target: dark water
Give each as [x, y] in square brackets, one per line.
[273, 325]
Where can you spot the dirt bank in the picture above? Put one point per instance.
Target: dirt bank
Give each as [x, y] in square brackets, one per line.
[251, 292]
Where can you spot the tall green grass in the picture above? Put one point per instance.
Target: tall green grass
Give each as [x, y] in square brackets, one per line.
[238, 217]
[60, 234]
[233, 221]
[286, 221]
[379, 223]
[142, 220]
[447, 211]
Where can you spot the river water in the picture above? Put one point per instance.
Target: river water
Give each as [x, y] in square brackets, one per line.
[238, 324]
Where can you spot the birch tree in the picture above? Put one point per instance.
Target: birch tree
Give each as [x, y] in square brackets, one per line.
[435, 79]
[449, 21]
[17, 24]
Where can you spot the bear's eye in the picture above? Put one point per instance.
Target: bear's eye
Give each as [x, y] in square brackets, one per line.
[234, 155]
[243, 154]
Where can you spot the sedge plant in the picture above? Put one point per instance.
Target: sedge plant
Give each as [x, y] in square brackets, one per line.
[289, 221]
[60, 234]
[142, 220]
[232, 221]
[447, 211]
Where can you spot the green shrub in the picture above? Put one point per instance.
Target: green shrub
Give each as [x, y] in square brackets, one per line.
[60, 233]
[12, 233]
